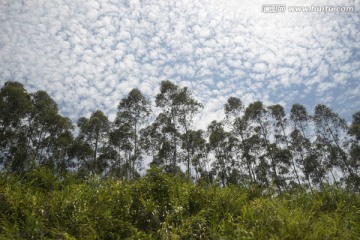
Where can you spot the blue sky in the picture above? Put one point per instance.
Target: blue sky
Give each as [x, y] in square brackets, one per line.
[89, 54]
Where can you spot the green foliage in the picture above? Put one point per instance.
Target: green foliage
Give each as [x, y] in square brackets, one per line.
[40, 205]
[57, 186]
[254, 143]
[354, 129]
[89, 146]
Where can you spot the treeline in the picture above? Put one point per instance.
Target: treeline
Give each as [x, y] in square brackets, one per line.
[254, 144]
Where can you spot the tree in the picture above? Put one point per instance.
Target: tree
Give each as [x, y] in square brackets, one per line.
[61, 152]
[45, 126]
[299, 118]
[283, 147]
[91, 142]
[301, 145]
[222, 144]
[15, 107]
[259, 116]
[197, 150]
[300, 148]
[354, 129]
[233, 109]
[32, 129]
[158, 139]
[120, 139]
[329, 127]
[354, 159]
[179, 104]
[240, 129]
[133, 111]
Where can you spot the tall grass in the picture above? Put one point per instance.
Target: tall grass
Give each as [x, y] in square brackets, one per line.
[40, 205]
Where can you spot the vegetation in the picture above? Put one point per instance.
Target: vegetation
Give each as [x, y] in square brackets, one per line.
[257, 174]
[39, 205]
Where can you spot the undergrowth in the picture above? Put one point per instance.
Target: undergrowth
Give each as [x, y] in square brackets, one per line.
[39, 205]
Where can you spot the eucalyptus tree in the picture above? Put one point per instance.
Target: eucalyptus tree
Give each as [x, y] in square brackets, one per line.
[15, 107]
[283, 152]
[187, 107]
[301, 147]
[158, 141]
[329, 129]
[222, 145]
[45, 127]
[32, 128]
[354, 129]
[233, 109]
[133, 112]
[91, 142]
[197, 150]
[251, 147]
[300, 119]
[165, 100]
[301, 154]
[61, 151]
[354, 158]
[240, 129]
[120, 138]
[180, 106]
[258, 117]
[56, 143]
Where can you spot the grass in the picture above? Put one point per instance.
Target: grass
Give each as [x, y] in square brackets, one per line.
[159, 206]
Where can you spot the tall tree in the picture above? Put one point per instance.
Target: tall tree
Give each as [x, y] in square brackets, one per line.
[133, 111]
[300, 118]
[31, 128]
[301, 145]
[240, 129]
[91, 142]
[157, 139]
[222, 144]
[354, 129]
[120, 138]
[329, 127]
[179, 104]
[257, 113]
[46, 125]
[354, 159]
[280, 124]
[61, 152]
[15, 107]
[197, 150]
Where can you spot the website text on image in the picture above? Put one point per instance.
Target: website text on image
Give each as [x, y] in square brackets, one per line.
[281, 8]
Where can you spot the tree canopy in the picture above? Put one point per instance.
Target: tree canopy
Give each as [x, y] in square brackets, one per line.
[255, 144]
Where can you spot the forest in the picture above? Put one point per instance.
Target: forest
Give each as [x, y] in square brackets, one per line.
[259, 173]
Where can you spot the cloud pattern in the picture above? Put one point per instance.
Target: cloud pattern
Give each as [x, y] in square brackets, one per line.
[88, 54]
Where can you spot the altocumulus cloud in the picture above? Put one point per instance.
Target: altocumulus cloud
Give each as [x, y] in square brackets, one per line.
[89, 54]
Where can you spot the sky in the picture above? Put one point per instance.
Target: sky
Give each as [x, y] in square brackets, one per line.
[88, 54]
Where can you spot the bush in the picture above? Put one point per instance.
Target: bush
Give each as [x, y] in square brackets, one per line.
[39, 205]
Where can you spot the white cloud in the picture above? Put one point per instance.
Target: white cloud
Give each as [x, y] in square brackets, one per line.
[89, 54]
